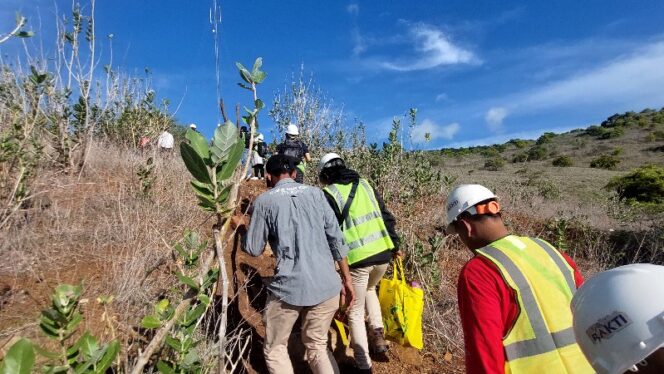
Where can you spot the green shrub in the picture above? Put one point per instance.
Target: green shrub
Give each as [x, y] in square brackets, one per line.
[490, 152]
[595, 131]
[537, 153]
[612, 133]
[520, 157]
[519, 143]
[563, 161]
[494, 163]
[643, 185]
[545, 138]
[608, 162]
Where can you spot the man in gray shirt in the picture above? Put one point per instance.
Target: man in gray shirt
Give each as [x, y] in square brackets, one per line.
[306, 240]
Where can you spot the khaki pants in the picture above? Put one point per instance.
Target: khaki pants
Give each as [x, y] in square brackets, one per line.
[279, 318]
[365, 280]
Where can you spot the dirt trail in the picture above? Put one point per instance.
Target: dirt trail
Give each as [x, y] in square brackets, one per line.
[252, 271]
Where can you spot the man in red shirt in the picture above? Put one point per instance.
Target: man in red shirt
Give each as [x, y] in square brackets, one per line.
[513, 294]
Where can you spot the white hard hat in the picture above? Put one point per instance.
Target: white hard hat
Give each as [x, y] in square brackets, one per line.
[325, 159]
[193, 126]
[462, 198]
[259, 137]
[292, 129]
[619, 316]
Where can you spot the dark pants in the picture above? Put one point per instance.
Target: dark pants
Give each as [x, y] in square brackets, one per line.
[259, 172]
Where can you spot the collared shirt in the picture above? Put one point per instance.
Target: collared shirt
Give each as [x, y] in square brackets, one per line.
[306, 240]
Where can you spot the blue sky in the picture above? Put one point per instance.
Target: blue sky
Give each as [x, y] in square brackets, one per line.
[479, 72]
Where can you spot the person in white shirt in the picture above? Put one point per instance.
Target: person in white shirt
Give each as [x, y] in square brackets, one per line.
[165, 142]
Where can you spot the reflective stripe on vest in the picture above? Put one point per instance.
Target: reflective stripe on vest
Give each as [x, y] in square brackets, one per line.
[544, 345]
[364, 229]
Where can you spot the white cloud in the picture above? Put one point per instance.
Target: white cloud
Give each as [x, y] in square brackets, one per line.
[359, 44]
[634, 80]
[433, 48]
[441, 97]
[353, 9]
[434, 130]
[494, 118]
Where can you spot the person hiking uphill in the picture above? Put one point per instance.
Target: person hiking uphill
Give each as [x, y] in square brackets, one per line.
[305, 237]
[619, 319]
[369, 232]
[514, 294]
[294, 147]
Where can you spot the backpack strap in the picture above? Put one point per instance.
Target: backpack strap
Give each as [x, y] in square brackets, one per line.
[349, 201]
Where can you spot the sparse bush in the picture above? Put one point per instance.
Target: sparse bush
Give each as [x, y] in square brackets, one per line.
[608, 162]
[563, 161]
[658, 135]
[545, 138]
[642, 185]
[612, 133]
[520, 157]
[519, 143]
[494, 163]
[537, 153]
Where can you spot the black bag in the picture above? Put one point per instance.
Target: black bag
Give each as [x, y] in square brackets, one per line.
[293, 148]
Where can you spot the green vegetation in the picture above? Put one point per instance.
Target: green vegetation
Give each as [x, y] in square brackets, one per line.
[520, 157]
[563, 161]
[519, 143]
[537, 152]
[642, 185]
[60, 323]
[608, 162]
[494, 163]
[545, 138]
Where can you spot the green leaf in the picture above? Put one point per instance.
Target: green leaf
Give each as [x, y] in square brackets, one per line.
[194, 163]
[223, 140]
[244, 86]
[234, 157]
[194, 314]
[259, 104]
[259, 77]
[204, 299]
[87, 345]
[244, 73]
[186, 280]
[150, 322]
[257, 65]
[165, 368]
[19, 359]
[198, 143]
[48, 354]
[174, 343]
[107, 359]
[203, 189]
[223, 195]
[162, 306]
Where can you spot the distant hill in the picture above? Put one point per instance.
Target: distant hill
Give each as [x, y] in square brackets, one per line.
[624, 141]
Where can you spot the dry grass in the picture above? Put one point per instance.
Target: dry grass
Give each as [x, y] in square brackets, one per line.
[99, 230]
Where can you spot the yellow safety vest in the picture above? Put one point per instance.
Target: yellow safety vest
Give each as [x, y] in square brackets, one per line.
[364, 230]
[541, 340]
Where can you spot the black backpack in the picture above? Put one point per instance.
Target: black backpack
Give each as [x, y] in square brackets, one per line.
[260, 149]
[292, 148]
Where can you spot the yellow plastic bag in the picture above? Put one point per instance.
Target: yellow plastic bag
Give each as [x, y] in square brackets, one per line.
[402, 307]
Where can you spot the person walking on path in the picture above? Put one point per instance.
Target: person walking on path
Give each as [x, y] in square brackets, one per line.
[514, 294]
[304, 234]
[165, 142]
[257, 158]
[619, 319]
[369, 231]
[293, 146]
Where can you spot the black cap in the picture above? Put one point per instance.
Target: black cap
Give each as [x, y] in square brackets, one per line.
[281, 164]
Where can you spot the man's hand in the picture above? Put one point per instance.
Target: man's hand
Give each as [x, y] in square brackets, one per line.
[238, 222]
[397, 254]
[347, 294]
